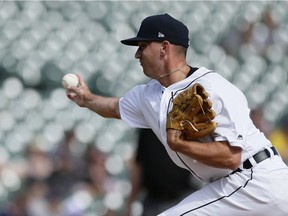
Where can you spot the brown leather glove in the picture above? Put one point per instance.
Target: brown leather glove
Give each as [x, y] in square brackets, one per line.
[192, 113]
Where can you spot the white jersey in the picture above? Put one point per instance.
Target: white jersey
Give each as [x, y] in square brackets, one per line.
[146, 106]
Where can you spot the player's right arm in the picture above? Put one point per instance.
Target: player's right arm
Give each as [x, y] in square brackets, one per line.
[107, 107]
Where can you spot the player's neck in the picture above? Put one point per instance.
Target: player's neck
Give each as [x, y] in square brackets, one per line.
[172, 72]
[174, 76]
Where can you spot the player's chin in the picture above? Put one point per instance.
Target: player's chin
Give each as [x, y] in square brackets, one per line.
[145, 70]
[150, 75]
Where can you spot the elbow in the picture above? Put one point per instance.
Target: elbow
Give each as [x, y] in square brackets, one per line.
[234, 158]
[233, 162]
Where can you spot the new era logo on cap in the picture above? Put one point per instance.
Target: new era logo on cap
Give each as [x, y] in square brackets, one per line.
[160, 35]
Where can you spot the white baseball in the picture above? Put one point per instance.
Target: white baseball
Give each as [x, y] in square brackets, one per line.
[70, 80]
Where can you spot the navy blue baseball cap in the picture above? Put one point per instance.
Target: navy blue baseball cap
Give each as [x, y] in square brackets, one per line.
[159, 28]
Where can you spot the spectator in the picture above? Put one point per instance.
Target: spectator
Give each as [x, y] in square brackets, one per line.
[279, 137]
[259, 120]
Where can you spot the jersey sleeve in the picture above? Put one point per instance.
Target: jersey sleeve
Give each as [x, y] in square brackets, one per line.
[130, 108]
[232, 112]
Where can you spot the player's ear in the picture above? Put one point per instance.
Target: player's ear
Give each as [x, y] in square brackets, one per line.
[164, 47]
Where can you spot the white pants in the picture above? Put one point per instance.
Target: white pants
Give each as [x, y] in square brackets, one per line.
[262, 190]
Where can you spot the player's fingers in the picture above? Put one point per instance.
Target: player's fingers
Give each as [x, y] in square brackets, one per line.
[81, 80]
[71, 89]
[70, 95]
[173, 137]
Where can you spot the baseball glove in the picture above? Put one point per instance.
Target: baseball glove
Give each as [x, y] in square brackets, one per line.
[192, 113]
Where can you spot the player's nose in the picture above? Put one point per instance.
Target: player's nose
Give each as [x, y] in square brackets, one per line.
[138, 53]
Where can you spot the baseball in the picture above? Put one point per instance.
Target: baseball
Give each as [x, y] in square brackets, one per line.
[70, 80]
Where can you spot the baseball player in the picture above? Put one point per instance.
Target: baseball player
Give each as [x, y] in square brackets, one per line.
[244, 172]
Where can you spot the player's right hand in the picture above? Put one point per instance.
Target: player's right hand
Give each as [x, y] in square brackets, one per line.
[78, 94]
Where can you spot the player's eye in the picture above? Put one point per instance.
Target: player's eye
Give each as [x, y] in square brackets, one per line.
[143, 45]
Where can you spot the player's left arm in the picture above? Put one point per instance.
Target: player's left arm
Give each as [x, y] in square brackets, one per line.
[216, 154]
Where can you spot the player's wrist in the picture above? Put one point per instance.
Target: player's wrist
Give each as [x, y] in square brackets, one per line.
[89, 100]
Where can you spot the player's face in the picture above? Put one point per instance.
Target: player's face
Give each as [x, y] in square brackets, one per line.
[148, 54]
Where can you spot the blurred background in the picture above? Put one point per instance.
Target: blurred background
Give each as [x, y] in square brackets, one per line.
[59, 159]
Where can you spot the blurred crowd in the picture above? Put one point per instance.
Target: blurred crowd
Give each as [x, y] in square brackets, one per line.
[60, 182]
[277, 133]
